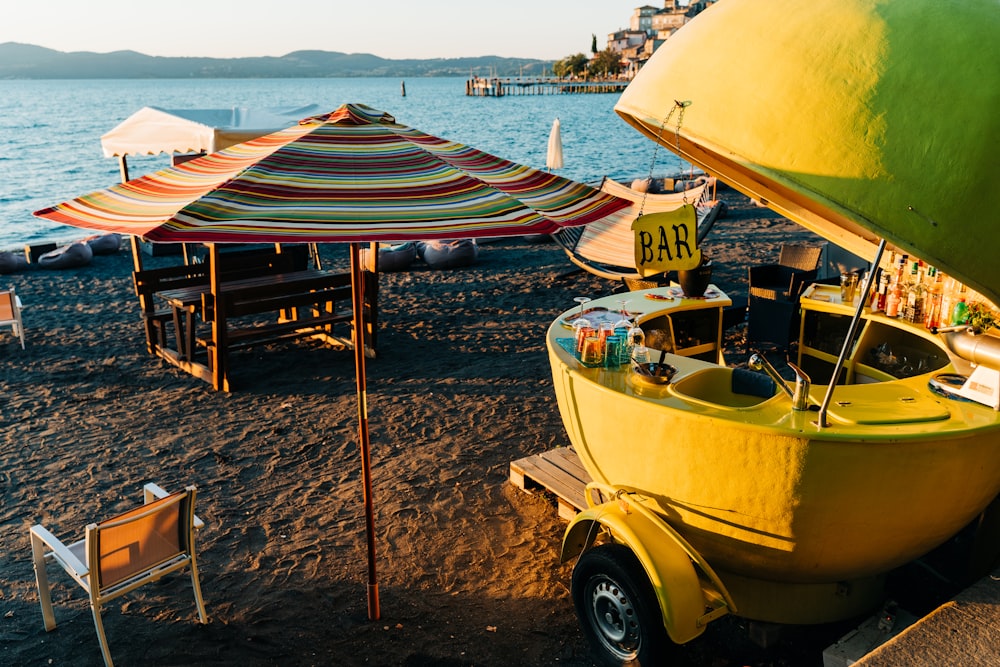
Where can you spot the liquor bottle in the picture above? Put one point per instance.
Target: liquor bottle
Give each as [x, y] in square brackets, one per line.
[914, 295]
[895, 297]
[932, 302]
[883, 292]
[948, 299]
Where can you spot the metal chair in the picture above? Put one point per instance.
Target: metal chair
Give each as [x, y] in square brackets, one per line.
[10, 313]
[123, 553]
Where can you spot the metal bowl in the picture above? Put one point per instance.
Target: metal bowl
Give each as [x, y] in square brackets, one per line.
[653, 372]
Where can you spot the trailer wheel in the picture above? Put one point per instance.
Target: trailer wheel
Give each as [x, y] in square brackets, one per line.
[617, 607]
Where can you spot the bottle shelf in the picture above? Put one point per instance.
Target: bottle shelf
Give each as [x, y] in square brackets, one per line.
[885, 348]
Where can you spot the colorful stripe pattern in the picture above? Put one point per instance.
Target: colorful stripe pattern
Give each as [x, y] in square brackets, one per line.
[352, 175]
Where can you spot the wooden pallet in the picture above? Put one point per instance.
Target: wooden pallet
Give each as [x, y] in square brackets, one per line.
[558, 471]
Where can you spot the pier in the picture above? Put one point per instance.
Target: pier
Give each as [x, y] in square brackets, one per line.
[499, 87]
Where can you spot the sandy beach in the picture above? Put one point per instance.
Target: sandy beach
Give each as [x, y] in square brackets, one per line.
[467, 563]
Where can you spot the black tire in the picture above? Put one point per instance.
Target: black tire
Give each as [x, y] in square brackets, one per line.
[617, 608]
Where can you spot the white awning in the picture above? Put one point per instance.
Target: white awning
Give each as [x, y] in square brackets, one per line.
[152, 130]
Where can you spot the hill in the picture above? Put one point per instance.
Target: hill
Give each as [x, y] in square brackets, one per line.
[26, 61]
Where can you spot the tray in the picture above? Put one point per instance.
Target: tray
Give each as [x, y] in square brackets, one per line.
[819, 292]
[598, 315]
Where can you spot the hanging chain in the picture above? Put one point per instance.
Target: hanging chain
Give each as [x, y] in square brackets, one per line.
[659, 136]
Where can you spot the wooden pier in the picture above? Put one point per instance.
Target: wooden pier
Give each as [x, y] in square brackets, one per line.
[500, 87]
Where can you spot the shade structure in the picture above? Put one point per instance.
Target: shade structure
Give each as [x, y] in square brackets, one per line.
[554, 154]
[349, 176]
[352, 175]
[859, 119]
[153, 130]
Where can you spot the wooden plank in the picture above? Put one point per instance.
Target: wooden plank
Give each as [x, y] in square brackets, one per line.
[558, 471]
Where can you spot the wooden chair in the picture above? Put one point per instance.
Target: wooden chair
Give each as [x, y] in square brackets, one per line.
[10, 313]
[121, 554]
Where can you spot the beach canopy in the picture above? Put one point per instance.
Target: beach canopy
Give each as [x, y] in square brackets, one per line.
[351, 175]
[151, 130]
[348, 176]
[859, 119]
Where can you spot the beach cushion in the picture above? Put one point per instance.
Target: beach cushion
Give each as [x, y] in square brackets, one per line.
[12, 261]
[448, 254]
[394, 257]
[67, 257]
[104, 244]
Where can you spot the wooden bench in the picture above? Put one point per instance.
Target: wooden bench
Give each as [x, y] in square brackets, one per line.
[309, 304]
[240, 262]
[249, 282]
[149, 282]
[233, 265]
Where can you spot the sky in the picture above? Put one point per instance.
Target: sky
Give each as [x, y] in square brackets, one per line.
[395, 29]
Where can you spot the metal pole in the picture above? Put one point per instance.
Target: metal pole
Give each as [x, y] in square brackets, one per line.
[851, 332]
[357, 298]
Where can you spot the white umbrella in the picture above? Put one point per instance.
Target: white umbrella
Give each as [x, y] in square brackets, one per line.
[554, 157]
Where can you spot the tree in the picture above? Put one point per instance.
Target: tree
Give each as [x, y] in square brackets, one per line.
[593, 44]
[570, 65]
[606, 63]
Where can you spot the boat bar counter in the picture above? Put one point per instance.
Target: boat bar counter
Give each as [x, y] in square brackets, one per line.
[781, 500]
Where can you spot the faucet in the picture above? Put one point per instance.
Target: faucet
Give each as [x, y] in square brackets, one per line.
[800, 395]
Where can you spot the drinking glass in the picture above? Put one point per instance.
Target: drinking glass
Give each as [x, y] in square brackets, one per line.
[636, 336]
[592, 351]
[624, 323]
[582, 327]
[848, 283]
[613, 351]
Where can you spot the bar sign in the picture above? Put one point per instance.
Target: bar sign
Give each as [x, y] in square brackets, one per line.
[666, 241]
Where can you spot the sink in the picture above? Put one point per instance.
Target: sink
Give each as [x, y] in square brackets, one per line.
[714, 387]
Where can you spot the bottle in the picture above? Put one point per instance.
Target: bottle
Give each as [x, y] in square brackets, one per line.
[960, 311]
[883, 292]
[914, 295]
[932, 302]
[960, 314]
[948, 299]
[895, 296]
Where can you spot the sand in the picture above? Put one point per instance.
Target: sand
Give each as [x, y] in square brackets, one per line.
[467, 563]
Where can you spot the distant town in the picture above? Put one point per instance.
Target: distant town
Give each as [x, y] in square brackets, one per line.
[628, 49]
[648, 28]
[607, 71]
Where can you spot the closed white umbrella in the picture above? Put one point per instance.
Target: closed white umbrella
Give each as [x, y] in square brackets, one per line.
[554, 157]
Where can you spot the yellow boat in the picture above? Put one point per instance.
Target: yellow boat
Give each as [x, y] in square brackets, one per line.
[789, 505]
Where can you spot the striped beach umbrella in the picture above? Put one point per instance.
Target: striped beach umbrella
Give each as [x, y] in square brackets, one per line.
[349, 176]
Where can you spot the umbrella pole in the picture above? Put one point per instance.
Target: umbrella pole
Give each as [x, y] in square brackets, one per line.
[357, 297]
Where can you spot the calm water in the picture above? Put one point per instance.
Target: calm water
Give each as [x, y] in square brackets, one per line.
[50, 131]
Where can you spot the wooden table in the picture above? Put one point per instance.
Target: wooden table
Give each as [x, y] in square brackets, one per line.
[305, 301]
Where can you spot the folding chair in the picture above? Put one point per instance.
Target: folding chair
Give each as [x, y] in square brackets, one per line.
[10, 312]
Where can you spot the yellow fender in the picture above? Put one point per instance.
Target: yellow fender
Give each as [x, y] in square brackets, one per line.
[665, 556]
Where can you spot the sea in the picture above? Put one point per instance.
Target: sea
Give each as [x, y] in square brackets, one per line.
[50, 131]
